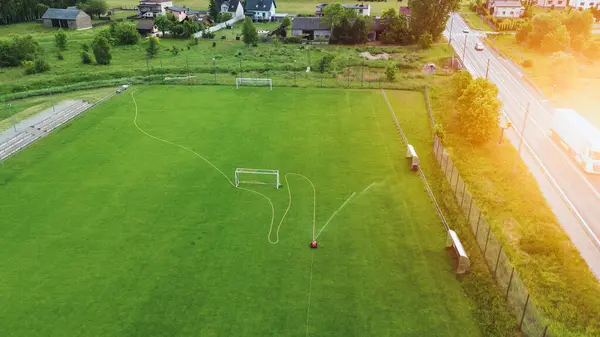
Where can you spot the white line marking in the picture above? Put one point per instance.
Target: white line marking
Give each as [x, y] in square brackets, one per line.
[312, 262]
[368, 187]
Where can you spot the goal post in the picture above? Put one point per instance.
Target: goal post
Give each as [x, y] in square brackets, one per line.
[256, 176]
[253, 82]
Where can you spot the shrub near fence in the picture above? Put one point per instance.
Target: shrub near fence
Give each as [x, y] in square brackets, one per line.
[531, 321]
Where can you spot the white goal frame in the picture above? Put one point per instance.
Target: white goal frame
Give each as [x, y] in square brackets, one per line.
[239, 171]
[253, 82]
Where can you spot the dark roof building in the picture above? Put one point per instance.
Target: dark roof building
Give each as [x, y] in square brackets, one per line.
[146, 26]
[66, 18]
[309, 23]
[227, 5]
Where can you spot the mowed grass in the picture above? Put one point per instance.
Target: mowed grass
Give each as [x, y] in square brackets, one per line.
[109, 232]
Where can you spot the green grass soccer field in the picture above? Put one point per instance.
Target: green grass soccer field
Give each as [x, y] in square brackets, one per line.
[109, 231]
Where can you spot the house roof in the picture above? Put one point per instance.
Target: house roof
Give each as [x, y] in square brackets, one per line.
[178, 9]
[259, 5]
[61, 14]
[309, 23]
[508, 4]
[154, 1]
[145, 24]
[357, 6]
[193, 11]
[232, 4]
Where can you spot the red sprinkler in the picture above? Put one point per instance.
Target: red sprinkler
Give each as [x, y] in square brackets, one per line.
[313, 244]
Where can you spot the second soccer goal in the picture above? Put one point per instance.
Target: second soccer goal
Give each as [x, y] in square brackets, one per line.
[256, 176]
[240, 81]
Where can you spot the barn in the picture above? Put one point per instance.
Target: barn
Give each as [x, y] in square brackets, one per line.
[66, 18]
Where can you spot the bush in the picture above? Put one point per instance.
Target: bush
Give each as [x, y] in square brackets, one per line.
[325, 62]
[528, 63]
[61, 39]
[390, 71]
[85, 57]
[425, 40]
[13, 53]
[35, 67]
[126, 33]
[174, 51]
[85, 47]
[293, 39]
[214, 44]
[59, 56]
[101, 49]
[153, 46]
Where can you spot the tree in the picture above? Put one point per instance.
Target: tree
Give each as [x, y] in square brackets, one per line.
[543, 24]
[12, 53]
[595, 12]
[425, 40]
[126, 33]
[213, 11]
[478, 111]
[325, 63]
[333, 14]
[250, 36]
[359, 33]
[85, 57]
[592, 50]
[579, 23]
[557, 40]
[563, 69]
[95, 7]
[342, 32]
[460, 81]
[101, 49]
[522, 33]
[153, 46]
[286, 22]
[430, 16]
[163, 24]
[390, 71]
[61, 39]
[396, 28]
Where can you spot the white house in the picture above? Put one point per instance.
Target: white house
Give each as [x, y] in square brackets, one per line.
[231, 6]
[555, 3]
[180, 13]
[584, 4]
[360, 9]
[152, 8]
[261, 10]
[507, 9]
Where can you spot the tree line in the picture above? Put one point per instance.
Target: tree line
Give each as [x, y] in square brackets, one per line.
[15, 11]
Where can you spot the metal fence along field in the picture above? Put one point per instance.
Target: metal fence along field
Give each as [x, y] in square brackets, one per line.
[531, 321]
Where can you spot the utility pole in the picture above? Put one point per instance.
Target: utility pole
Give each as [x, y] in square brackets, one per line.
[294, 72]
[12, 118]
[464, 49]
[451, 24]
[522, 137]
[487, 69]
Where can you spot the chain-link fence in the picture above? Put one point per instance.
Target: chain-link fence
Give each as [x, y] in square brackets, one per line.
[531, 321]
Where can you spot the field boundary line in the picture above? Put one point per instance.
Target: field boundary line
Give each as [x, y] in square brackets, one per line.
[312, 262]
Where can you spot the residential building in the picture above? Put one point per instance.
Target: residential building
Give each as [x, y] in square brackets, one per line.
[180, 13]
[584, 4]
[555, 3]
[66, 18]
[507, 9]
[260, 10]
[360, 9]
[146, 27]
[234, 7]
[311, 27]
[152, 8]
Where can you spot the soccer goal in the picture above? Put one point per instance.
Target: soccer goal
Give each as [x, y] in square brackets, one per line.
[253, 82]
[256, 176]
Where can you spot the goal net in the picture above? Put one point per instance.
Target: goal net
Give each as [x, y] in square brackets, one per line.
[256, 176]
[253, 82]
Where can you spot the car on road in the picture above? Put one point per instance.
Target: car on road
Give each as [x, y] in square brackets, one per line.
[466, 30]
[123, 88]
[479, 46]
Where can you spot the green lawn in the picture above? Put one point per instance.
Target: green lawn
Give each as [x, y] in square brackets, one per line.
[109, 232]
[474, 21]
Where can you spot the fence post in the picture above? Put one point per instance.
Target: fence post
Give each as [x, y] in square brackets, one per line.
[545, 330]
[469, 215]
[447, 160]
[497, 261]
[477, 230]
[524, 310]
[487, 240]
[463, 194]
[457, 177]
[437, 149]
[512, 273]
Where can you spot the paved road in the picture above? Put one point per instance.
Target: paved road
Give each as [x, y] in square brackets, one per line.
[573, 195]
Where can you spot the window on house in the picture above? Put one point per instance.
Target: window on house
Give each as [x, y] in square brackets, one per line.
[503, 12]
[582, 4]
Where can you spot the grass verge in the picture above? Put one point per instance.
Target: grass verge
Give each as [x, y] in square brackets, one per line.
[550, 266]
[475, 22]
